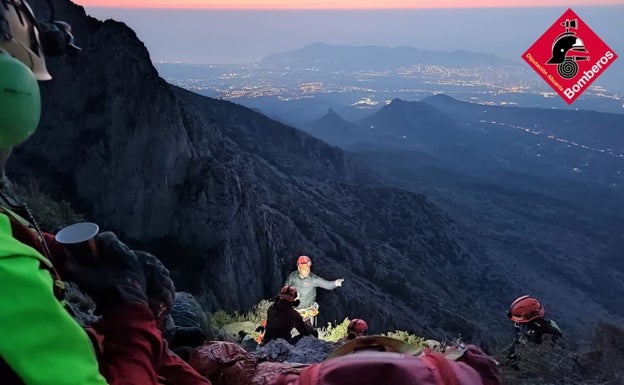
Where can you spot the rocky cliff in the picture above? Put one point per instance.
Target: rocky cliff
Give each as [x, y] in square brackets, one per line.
[228, 198]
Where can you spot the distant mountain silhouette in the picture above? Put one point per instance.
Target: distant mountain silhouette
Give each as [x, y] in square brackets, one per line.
[351, 58]
[597, 130]
[411, 123]
[401, 124]
[541, 189]
[334, 130]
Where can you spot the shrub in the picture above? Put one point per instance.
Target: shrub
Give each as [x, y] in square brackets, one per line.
[256, 314]
[334, 332]
[50, 214]
[596, 362]
[411, 339]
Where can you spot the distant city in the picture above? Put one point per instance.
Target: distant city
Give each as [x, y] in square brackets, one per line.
[300, 86]
[255, 80]
[515, 85]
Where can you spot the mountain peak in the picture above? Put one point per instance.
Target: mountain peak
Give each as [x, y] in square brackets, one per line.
[444, 101]
[333, 129]
[404, 104]
[440, 98]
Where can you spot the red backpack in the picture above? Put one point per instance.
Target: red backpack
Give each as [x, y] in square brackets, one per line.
[371, 366]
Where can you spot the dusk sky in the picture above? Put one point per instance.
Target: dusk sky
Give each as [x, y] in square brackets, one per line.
[342, 4]
[216, 36]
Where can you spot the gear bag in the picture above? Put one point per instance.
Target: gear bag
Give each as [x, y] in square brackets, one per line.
[466, 365]
[227, 363]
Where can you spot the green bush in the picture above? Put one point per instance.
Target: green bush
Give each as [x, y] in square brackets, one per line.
[256, 314]
[411, 339]
[221, 318]
[333, 332]
[597, 363]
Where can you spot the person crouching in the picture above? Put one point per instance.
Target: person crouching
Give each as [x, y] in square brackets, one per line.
[282, 318]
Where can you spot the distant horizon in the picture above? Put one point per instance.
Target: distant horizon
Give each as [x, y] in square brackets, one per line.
[519, 60]
[341, 5]
[239, 37]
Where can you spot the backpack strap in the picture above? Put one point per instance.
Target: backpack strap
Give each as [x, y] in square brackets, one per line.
[441, 368]
[310, 375]
[24, 233]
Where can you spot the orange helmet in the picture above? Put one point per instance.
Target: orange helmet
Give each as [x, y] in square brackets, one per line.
[288, 293]
[357, 327]
[525, 309]
[304, 260]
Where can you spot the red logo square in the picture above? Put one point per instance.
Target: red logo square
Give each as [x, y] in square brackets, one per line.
[569, 56]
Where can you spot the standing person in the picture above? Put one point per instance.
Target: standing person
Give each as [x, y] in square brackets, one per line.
[282, 318]
[40, 343]
[306, 283]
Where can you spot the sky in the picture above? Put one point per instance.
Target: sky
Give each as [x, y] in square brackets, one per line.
[340, 4]
[244, 36]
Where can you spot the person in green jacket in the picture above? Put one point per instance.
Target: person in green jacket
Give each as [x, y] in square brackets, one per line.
[306, 283]
[40, 343]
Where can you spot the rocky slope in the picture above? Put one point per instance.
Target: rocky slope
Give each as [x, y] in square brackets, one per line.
[228, 198]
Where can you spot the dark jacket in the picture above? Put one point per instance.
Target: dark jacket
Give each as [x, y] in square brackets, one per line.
[306, 287]
[171, 369]
[281, 319]
[537, 328]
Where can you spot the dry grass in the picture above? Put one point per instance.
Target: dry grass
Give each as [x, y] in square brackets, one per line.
[597, 362]
[50, 214]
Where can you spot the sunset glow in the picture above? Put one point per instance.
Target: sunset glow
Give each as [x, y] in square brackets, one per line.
[341, 4]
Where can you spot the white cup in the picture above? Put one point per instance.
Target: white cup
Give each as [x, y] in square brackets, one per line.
[79, 239]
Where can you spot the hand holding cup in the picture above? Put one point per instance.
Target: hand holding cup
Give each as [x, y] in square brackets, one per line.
[79, 240]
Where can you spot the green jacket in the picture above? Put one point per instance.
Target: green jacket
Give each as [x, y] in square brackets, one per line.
[306, 287]
[39, 340]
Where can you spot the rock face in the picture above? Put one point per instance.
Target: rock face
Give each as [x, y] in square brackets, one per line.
[228, 198]
[307, 350]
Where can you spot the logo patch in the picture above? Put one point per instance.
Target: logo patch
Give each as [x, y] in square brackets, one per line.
[569, 56]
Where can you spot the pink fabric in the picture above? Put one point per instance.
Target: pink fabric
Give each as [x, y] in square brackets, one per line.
[224, 363]
[131, 347]
[372, 368]
[267, 372]
[485, 365]
[177, 371]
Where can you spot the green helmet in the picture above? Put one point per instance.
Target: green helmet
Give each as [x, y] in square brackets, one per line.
[20, 101]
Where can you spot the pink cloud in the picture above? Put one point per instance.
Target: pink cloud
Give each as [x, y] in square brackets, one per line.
[342, 4]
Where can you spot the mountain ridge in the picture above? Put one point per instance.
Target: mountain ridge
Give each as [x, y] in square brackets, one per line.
[349, 57]
[515, 189]
[236, 196]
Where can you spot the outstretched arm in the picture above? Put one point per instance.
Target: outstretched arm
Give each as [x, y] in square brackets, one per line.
[325, 284]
